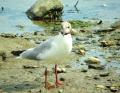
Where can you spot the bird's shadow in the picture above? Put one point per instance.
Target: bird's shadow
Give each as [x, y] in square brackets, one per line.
[11, 88]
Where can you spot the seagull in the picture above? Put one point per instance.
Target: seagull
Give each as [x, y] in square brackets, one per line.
[54, 47]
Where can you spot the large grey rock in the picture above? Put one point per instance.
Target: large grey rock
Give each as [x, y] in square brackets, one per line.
[45, 9]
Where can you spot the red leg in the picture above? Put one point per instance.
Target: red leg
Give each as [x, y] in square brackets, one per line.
[46, 77]
[57, 82]
[47, 84]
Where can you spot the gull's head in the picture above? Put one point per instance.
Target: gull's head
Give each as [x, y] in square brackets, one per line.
[66, 27]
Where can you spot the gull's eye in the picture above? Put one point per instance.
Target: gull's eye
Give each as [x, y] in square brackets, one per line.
[68, 27]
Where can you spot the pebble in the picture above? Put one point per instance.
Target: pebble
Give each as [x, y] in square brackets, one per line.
[3, 55]
[39, 33]
[61, 70]
[35, 91]
[60, 91]
[113, 89]
[62, 79]
[100, 86]
[17, 52]
[96, 77]
[84, 70]
[104, 74]
[7, 35]
[116, 24]
[105, 43]
[81, 38]
[96, 66]
[82, 52]
[92, 60]
[29, 66]
[68, 66]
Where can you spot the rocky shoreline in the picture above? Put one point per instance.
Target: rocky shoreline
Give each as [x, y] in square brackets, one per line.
[94, 65]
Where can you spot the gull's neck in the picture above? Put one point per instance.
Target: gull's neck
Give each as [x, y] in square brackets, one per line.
[68, 39]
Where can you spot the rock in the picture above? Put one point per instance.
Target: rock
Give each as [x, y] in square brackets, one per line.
[45, 9]
[17, 52]
[30, 66]
[60, 91]
[82, 30]
[7, 35]
[100, 86]
[96, 66]
[118, 43]
[81, 39]
[3, 55]
[113, 89]
[42, 33]
[35, 90]
[95, 21]
[84, 70]
[68, 66]
[103, 30]
[96, 77]
[61, 70]
[62, 79]
[106, 43]
[38, 42]
[82, 52]
[92, 60]
[104, 74]
[116, 25]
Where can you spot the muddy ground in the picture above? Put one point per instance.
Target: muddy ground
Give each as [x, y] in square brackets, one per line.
[27, 76]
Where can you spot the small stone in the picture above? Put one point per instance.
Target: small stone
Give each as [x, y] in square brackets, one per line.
[60, 91]
[3, 55]
[84, 70]
[105, 43]
[61, 70]
[38, 42]
[68, 66]
[8, 35]
[96, 66]
[100, 86]
[82, 30]
[17, 52]
[113, 89]
[104, 74]
[96, 77]
[81, 52]
[35, 91]
[116, 24]
[39, 33]
[92, 60]
[81, 39]
[29, 66]
[62, 79]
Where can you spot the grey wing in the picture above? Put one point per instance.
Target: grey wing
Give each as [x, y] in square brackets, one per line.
[32, 53]
[44, 46]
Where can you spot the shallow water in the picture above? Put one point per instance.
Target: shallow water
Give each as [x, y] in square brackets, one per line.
[14, 20]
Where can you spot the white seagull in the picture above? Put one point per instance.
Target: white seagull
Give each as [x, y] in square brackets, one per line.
[60, 44]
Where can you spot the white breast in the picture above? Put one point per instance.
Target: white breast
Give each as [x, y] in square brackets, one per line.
[61, 45]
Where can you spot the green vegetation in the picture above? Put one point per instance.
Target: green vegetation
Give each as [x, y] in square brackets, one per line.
[78, 23]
